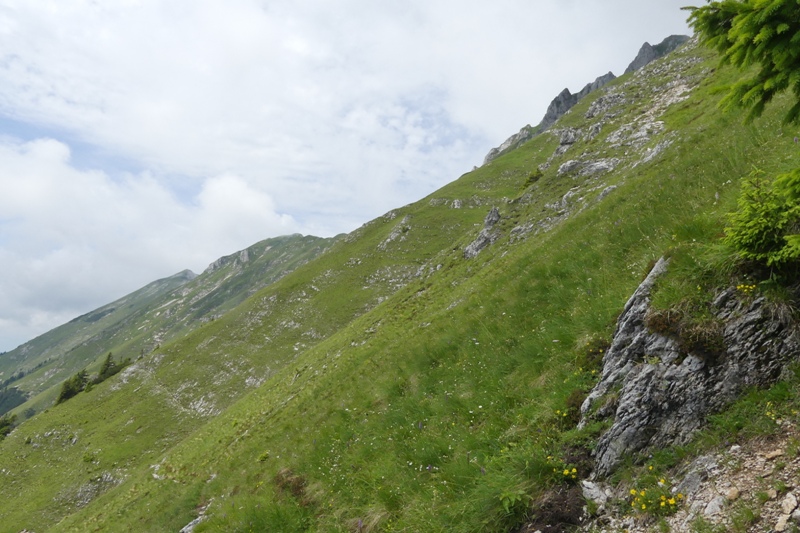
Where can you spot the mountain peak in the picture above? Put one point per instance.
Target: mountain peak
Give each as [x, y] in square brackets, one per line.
[566, 99]
[649, 53]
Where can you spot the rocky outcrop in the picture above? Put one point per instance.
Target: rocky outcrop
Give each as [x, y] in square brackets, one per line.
[525, 134]
[649, 53]
[658, 394]
[487, 235]
[566, 100]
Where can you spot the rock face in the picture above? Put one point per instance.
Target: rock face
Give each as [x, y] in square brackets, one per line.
[486, 237]
[648, 53]
[525, 134]
[566, 100]
[659, 395]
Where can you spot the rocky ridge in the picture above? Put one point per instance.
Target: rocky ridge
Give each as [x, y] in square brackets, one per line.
[566, 100]
[606, 142]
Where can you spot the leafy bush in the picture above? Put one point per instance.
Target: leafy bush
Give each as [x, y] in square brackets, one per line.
[766, 226]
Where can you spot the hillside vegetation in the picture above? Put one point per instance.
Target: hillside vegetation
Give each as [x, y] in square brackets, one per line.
[139, 322]
[424, 373]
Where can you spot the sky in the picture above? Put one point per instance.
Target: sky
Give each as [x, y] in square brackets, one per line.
[139, 138]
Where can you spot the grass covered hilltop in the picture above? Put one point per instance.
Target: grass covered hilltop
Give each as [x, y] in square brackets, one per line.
[391, 382]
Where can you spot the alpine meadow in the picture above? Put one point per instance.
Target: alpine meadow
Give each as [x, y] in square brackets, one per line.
[562, 339]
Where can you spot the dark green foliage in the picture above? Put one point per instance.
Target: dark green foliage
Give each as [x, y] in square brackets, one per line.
[533, 177]
[755, 32]
[765, 227]
[573, 406]
[109, 368]
[80, 382]
[6, 425]
[15, 377]
[10, 398]
[72, 386]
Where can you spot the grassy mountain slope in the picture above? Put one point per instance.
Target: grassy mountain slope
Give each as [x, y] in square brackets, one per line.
[47, 360]
[392, 384]
[135, 324]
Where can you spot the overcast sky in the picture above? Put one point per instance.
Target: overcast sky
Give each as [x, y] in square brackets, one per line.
[142, 137]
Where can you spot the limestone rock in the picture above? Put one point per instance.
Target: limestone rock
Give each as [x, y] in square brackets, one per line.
[649, 53]
[568, 167]
[566, 100]
[789, 504]
[525, 134]
[773, 454]
[715, 506]
[666, 394]
[487, 235]
[599, 166]
[697, 472]
[594, 492]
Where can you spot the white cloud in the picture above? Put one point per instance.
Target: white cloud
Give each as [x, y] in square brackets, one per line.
[211, 125]
[69, 237]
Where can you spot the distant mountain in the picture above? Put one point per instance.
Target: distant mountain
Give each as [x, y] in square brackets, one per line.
[135, 324]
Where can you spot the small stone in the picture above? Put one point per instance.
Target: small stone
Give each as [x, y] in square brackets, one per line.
[772, 493]
[782, 523]
[732, 495]
[796, 516]
[789, 504]
[735, 448]
[594, 492]
[715, 506]
[774, 454]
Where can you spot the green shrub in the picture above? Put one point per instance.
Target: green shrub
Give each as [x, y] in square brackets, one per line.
[72, 386]
[766, 227]
[6, 424]
[535, 175]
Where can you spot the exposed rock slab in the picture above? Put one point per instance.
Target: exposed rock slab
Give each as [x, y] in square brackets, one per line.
[487, 235]
[659, 395]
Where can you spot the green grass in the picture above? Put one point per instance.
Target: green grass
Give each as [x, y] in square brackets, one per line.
[392, 385]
